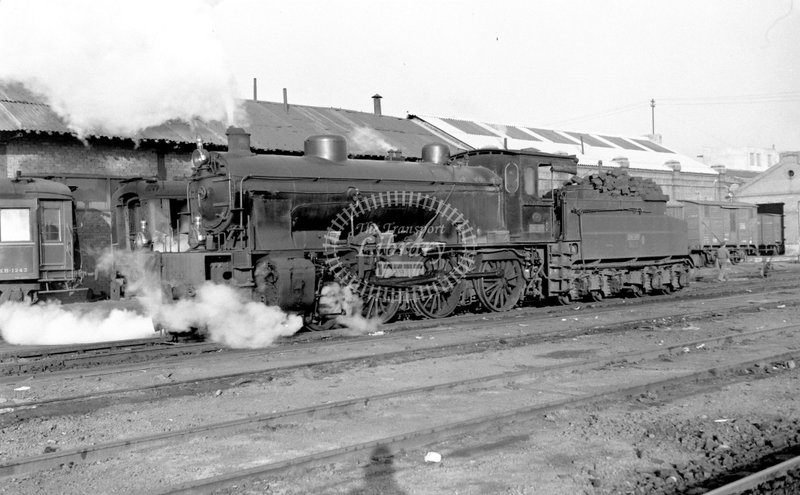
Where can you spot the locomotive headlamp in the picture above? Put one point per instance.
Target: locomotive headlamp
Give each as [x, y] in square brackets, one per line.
[198, 229]
[200, 155]
[142, 237]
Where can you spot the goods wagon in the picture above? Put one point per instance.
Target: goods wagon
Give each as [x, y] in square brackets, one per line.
[712, 224]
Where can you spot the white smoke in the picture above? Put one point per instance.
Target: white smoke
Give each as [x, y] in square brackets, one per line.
[227, 316]
[366, 141]
[118, 67]
[51, 323]
[341, 301]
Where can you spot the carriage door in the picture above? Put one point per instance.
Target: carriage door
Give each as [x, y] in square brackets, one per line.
[19, 258]
[56, 236]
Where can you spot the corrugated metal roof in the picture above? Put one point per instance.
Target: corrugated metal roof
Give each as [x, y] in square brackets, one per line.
[641, 153]
[21, 110]
[271, 126]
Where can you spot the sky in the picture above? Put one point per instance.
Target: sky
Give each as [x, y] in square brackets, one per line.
[723, 73]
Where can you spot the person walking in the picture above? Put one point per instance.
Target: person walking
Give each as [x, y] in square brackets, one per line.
[723, 260]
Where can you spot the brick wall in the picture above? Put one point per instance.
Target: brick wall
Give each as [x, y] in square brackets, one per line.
[55, 155]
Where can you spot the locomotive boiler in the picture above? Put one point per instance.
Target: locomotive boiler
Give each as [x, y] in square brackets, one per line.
[38, 256]
[494, 227]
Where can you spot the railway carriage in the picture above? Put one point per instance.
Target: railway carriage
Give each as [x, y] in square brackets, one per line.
[38, 258]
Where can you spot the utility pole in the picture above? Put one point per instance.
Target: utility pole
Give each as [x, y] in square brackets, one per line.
[653, 115]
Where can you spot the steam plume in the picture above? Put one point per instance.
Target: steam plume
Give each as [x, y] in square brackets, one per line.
[341, 301]
[118, 67]
[227, 316]
[366, 141]
[23, 324]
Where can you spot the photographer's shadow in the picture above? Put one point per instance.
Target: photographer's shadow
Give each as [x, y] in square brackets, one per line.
[379, 474]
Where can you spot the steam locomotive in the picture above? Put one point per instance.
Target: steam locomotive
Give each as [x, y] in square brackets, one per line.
[489, 227]
[38, 259]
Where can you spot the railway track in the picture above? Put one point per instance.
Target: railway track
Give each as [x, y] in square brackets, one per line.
[358, 410]
[443, 340]
[783, 477]
[56, 358]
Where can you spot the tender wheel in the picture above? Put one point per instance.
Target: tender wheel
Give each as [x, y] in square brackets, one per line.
[501, 293]
[596, 295]
[380, 308]
[439, 305]
[635, 291]
[564, 299]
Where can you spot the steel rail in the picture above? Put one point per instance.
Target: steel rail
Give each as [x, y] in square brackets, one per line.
[754, 480]
[103, 451]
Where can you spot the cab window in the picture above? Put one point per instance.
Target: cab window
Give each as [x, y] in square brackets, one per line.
[530, 181]
[512, 177]
[15, 225]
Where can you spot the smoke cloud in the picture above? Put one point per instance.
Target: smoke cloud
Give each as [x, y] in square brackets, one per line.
[224, 314]
[118, 67]
[341, 301]
[50, 324]
[366, 141]
[228, 318]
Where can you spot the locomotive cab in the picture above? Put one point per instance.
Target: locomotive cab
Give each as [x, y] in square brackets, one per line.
[528, 177]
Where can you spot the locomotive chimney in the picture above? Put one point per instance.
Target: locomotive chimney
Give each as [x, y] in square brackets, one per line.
[436, 153]
[330, 147]
[376, 103]
[255, 89]
[238, 140]
[285, 101]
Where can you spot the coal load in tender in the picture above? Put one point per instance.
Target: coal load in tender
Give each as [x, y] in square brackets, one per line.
[617, 183]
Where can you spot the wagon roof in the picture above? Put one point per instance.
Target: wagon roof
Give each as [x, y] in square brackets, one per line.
[721, 204]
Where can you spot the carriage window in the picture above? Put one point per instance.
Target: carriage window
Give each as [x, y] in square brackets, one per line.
[51, 225]
[15, 225]
[530, 181]
[512, 177]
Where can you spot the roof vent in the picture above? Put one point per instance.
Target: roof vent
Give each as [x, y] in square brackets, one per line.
[238, 140]
[330, 147]
[436, 153]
